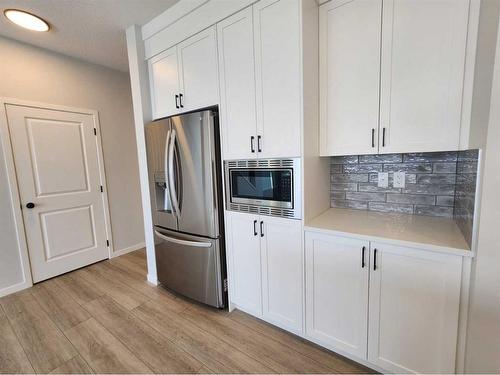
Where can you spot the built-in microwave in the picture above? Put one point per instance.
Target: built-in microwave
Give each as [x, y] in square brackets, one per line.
[265, 187]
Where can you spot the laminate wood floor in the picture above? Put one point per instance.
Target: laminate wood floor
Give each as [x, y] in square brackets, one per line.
[106, 318]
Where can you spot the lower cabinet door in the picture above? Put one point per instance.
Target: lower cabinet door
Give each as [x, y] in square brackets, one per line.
[244, 261]
[337, 271]
[282, 272]
[414, 304]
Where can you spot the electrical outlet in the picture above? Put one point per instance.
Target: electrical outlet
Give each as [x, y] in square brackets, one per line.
[383, 179]
[399, 179]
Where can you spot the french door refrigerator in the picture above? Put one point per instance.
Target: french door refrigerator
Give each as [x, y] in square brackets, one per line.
[186, 198]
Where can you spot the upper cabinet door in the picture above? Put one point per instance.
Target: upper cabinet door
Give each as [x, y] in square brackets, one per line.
[237, 85]
[282, 272]
[198, 71]
[423, 57]
[337, 271]
[244, 261]
[164, 83]
[414, 305]
[278, 77]
[349, 76]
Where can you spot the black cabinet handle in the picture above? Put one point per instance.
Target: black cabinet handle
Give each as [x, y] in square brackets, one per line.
[375, 259]
[363, 257]
[383, 137]
[180, 100]
[259, 148]
[255, 227]
[177, 101]
[373, 137]
[30, 205]
[252, 142]
[262, 229]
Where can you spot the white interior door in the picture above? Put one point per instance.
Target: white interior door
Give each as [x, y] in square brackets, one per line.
[57, 166]
[349, 76]
[337, 272]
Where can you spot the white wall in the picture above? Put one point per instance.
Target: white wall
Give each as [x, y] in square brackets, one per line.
[483, 340]
[29, 73]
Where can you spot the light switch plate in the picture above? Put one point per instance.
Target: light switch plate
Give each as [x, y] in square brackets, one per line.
[399, 179]
[383, 179]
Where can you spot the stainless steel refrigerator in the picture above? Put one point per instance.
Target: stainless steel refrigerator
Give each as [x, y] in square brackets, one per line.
[186, 198]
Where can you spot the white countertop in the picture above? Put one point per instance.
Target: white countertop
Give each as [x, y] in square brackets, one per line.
[425, 232]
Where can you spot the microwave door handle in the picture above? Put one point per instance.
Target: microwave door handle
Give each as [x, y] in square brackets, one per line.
[171, 177]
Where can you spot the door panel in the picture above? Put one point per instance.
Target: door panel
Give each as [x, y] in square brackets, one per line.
[57, 166]
[195, 144]
[199, 80]
[189, 265]
[337, 292]
[244, 258]
[414, 304]
[282, 272]
[164, 82]
[278, 77]
[349, 76]
[423, 59]
[237, 81]
[157, 139]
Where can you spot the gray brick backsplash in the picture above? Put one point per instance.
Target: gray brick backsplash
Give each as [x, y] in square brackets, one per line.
[349, 177]
[357, 205]
[344, 159]
[388, 158]
[444, 178]
[437, 184]
[411, 199]
[430, 157]
[367, 197]
[391, 207]
[434, 211]
[444, 168]
[445, 201]
[344, 187]
[408, 167]
[430, 189]
[362, 168]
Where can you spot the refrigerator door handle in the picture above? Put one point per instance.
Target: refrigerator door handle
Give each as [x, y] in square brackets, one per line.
[171, 178]
[165, 168]
[183, 242]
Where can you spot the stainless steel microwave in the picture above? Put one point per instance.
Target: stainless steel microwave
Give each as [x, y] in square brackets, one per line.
[265, 187]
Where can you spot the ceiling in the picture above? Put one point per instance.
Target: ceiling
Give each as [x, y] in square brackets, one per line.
[90, 30]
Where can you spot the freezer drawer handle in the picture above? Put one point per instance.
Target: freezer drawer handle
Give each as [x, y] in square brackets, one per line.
[183, 242]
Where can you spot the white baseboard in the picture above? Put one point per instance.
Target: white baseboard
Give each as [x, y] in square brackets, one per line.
[152, 279]
[121, 252]
[15, 288]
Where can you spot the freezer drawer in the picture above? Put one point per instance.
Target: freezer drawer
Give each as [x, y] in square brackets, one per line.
[190, 265]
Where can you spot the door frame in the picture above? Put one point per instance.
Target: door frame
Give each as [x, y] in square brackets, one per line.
[8, 153]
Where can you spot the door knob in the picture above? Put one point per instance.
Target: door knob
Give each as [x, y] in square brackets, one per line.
[30, 205]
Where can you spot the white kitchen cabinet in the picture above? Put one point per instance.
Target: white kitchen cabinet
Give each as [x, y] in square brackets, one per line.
[164, 83]
[423, 59]
[420, 63]
[244, 256]
[414, 306]
[265, 267]
[237, 85]
[199, 78]
[337, 270]
[282, 271]
[350, 71]
[185, 77]
[277, 38]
